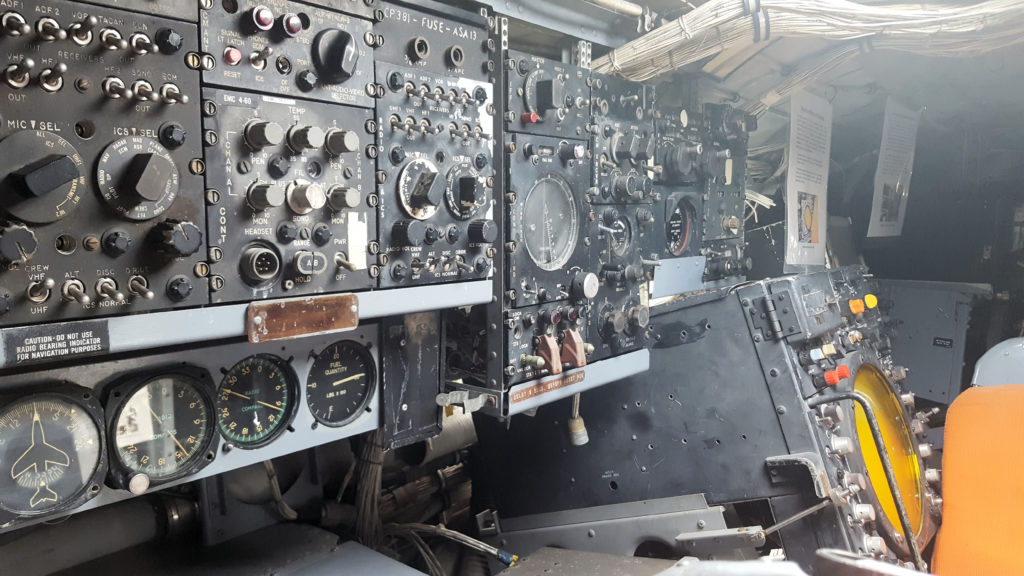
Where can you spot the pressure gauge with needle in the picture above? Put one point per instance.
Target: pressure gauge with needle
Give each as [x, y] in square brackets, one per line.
[162, 426]
[256, 400]
[341, 383]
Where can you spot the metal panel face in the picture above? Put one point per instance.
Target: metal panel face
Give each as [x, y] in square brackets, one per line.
[411, 378]
[647, 432]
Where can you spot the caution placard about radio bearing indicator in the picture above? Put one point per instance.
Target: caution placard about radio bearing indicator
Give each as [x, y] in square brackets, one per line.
[50, 343]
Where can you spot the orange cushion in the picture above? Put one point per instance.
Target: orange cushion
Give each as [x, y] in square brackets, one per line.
[983, 484]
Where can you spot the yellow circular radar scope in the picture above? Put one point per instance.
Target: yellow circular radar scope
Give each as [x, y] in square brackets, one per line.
[899, 442]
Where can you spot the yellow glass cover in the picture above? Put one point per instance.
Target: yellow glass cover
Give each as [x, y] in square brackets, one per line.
[871, 383]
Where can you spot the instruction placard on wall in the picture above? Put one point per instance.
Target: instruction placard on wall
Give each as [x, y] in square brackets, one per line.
[895, 166]
[53, 342]
[810, 144]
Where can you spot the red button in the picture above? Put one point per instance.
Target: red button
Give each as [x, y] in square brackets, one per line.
[832, 377]
[232, 56]
[529, 118]
[292, 24]
[844, 372]
[262, 17]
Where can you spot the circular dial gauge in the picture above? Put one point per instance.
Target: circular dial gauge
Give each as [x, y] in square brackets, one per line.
[678, 227]
[464, 191]
[255, 400]
[550, 222]
[164, 427]
[137, 177]
[341, 383]
[45, 177]
[50, 448]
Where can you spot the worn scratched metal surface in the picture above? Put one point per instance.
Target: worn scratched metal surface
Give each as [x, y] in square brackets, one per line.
[283, 319]
[550, 561]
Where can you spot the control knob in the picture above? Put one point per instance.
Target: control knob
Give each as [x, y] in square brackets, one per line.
[305, 197]
[306, 138]
[137, 178]
[339, 142]
[17, 244]
[177, 238]
[259, 134]
[342, 197]
[584, 285]
[335, 55]
[44, 180]
[483, 231]
[409, 232]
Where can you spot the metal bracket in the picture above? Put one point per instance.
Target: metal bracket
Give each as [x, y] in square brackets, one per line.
[812, 462]
[726, 542]
[581, 54]
[487, 523]
[471, 401]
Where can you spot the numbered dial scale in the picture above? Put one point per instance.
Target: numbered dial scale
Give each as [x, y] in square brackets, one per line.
[161, 424]
[341, 383]
[51, 452]
[256, 400]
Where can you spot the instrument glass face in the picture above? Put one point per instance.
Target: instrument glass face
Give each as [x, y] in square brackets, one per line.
[677, 229]
[255, 400]
[341, 383]
[550, 222]
[899, 444]
[163, 428]
[50, 448]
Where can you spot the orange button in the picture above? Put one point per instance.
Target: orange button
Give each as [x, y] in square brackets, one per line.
[831, 377]
[843, 372]
[857, 306]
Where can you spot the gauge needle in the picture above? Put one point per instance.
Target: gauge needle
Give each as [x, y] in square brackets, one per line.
[349, 379]
[183, 451]
[278, 408]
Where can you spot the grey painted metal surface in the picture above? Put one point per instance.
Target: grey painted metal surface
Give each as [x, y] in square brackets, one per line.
[931, 321]
[549, 561]
[575, 18]
[1002, 364]
[141, 332]
[679, 276]
[614, 529]
[353, 558]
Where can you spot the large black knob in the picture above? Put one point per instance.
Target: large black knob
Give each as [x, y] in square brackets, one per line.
[626, 186]
[550, 94]
[45, 175]
[147, 176]
[335, 55]
[427, 189]
[17, 244]
[260, 134]
[626, 147]
[469, 190]
[409, 232]
[483, 231]
[584, 285]
[177, 238]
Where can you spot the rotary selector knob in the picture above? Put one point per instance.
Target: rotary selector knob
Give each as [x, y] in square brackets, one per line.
[464, 191]
[584, 285]
[137, 178]
[262, 196]
[627, 186]
[305, 197]
[409, 233]
[420, 189]
[483, 231]
[342, 197]
[44, 180]
[116, 243]
[639, 317]
[339, 142]
[306, 138]
[335, 55]
[17, 244]
[625, 146]
[614, 322]
[177, 238]
[260, 134]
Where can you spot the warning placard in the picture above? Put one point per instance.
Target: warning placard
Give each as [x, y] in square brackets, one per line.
[54, 342]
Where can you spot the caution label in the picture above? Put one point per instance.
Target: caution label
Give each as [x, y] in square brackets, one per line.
[546, 386]
[54, 342]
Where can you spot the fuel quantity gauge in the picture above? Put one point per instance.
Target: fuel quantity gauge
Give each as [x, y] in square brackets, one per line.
[256, 400]
[341, 383]
[162, 427]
